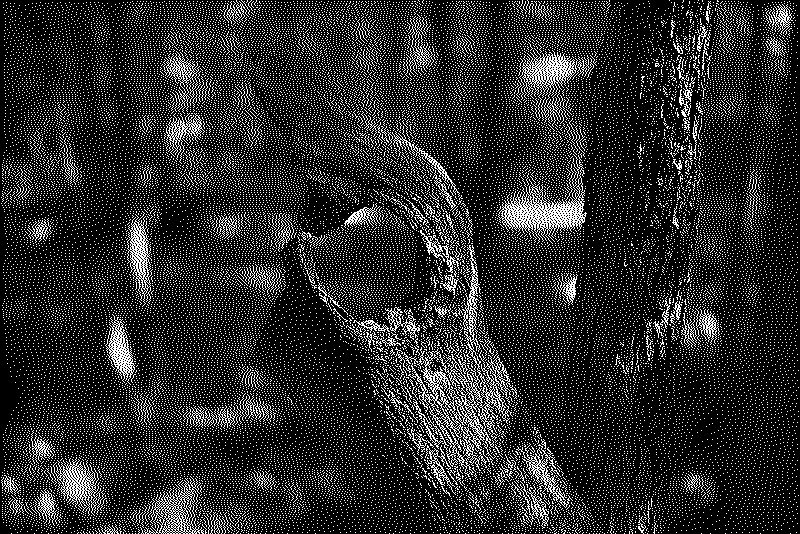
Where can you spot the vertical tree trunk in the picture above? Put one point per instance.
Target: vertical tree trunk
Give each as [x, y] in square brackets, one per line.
[641, 171]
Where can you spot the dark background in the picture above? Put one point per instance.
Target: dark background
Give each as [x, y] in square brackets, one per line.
[145, 203]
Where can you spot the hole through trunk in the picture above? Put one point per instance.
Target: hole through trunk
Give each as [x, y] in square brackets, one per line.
[370, 264]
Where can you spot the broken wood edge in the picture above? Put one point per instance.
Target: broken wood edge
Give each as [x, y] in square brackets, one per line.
[468, 460]
[525, 485]
[451, 282]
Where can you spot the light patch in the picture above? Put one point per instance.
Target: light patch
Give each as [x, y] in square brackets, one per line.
[360, 217]
[252, 378]
[80, 488]
[237, 13]
[421, 58]
[225, 418]
[258, 411]
[146, 178]
[266, 279]
[14, 507]
[543, 11]
[42, 450]
[283, 228]
[780, 17]
[178, 69]
[182, 131]
[194, 125]
[518, 215]
[569, 288]
[545, 71]
[421, 55]
[175, 133]
[139, 261]
[538, 77]
[264, 480]
[709, 326]
[471, 318]
[40, 230]
[701, 487]
[119, 349]
[777, 47]
[702, 330]
[10, 486]
[48, 509]
[199, 416]
[72, 173]
[228, 226]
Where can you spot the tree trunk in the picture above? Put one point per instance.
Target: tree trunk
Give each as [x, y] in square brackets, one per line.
[641, 171]
[435, 392]
[423, 392]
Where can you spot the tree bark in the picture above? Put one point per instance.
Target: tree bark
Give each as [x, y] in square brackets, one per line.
[641, 171]
[437, 394]
[426, 383]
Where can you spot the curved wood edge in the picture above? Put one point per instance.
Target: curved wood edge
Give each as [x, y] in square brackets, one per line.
[433, 367]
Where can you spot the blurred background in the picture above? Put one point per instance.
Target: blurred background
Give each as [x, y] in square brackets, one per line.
[145, 206]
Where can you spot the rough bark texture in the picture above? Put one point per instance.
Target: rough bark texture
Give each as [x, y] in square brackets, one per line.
[641, 171]
[440, 399]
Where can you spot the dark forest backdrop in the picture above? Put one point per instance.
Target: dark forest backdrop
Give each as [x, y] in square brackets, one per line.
[139, 268]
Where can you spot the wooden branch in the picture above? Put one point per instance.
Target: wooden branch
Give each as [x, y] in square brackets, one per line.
[641, 171]
[430, 372]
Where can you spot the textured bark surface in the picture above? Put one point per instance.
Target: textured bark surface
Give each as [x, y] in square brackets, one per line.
[440, 398]
[641, 171]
